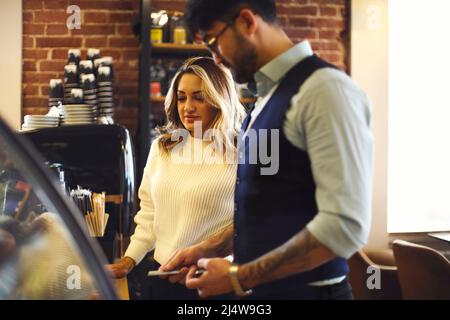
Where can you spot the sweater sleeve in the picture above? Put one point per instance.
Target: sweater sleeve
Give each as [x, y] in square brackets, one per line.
[143, 239]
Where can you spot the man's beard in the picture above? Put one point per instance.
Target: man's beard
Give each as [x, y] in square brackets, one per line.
[244, 62]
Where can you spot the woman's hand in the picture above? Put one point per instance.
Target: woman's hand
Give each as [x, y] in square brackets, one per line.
[183, 259]
[122, 268]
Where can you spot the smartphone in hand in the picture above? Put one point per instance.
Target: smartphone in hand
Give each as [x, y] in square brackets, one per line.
[155, 273]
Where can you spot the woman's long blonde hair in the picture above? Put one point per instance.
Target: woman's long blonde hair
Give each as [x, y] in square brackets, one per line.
[218, 90]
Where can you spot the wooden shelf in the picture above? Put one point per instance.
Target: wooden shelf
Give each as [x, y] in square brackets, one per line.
[161, 99]
[179, 48]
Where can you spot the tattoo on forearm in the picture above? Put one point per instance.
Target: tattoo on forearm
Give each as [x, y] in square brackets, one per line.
[301, 253]
[222, 243]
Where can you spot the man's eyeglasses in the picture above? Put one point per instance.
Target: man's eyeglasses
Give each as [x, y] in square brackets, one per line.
[212, 43]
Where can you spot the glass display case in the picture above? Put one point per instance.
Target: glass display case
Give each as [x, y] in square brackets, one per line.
[45, 250]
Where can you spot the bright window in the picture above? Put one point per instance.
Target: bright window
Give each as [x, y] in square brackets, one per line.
[419, 116]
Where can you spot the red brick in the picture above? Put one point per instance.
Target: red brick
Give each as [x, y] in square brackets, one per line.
[336, 2]
[35, 102]
[122, 17]
[52, 65]
[299, 22]
[328, 34]
[327, 23]
[325, 46]
[28, 42]
[280, 3]
[95, 42]
[45, 90]
[121, 42]
[127, 90]
[298, 10]
[32, 28]
[128, 77]
[57, 29]
[30, 90]
[114, 53]
[331, 57]
[27, 16]
[58, 42]
[125, 111]
[31, 4]
[51, 16]
[104, 4]
[94, 30]
[56, 4]
[95, 17]
[39, 77]
[34, 54]
[302, 33]
[130, 54]
[130, 102]
[124, 65]
[59, 54]
[125, 29]
[283, 20]
[328, 11]
[29, 66]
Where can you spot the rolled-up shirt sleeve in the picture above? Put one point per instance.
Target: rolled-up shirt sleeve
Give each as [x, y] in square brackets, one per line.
[143, 239]
[333, 120]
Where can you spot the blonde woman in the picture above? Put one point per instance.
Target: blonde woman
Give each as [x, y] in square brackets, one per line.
[187, 191]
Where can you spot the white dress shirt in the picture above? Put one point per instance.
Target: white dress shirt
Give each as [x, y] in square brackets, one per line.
[329, 118]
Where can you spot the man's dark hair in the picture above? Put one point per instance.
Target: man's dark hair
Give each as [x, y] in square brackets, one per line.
[202, 13]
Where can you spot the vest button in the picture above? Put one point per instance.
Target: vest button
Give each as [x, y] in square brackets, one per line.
[237, 180]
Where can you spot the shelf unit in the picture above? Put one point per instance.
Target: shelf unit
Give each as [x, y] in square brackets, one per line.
[161, 99]
[186, 49]
[147, 104]
[143, 137]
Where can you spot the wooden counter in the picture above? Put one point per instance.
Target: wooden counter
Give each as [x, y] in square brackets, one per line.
[122, 288]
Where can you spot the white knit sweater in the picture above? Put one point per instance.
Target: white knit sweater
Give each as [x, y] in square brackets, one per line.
[181, 204]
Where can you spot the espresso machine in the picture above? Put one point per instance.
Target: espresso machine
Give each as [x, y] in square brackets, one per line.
[99, 158]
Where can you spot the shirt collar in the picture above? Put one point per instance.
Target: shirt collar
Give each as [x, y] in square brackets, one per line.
[271, 73]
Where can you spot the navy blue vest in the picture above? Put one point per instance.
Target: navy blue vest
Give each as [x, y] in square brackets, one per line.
[270, 209]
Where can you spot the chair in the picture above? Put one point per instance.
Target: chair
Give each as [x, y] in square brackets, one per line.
[389, 284]
[424, 273]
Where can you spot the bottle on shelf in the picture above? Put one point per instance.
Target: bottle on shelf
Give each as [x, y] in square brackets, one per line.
[178, 32]
[160, 24]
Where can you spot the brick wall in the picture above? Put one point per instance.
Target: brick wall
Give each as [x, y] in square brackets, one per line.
[322, 22]
[107, 25]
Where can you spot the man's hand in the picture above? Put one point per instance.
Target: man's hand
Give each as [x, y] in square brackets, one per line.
[122, 268]
[183, 259]
[219, 245]
[214, 281]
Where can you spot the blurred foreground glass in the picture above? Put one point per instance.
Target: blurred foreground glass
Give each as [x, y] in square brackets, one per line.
[45, 252]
